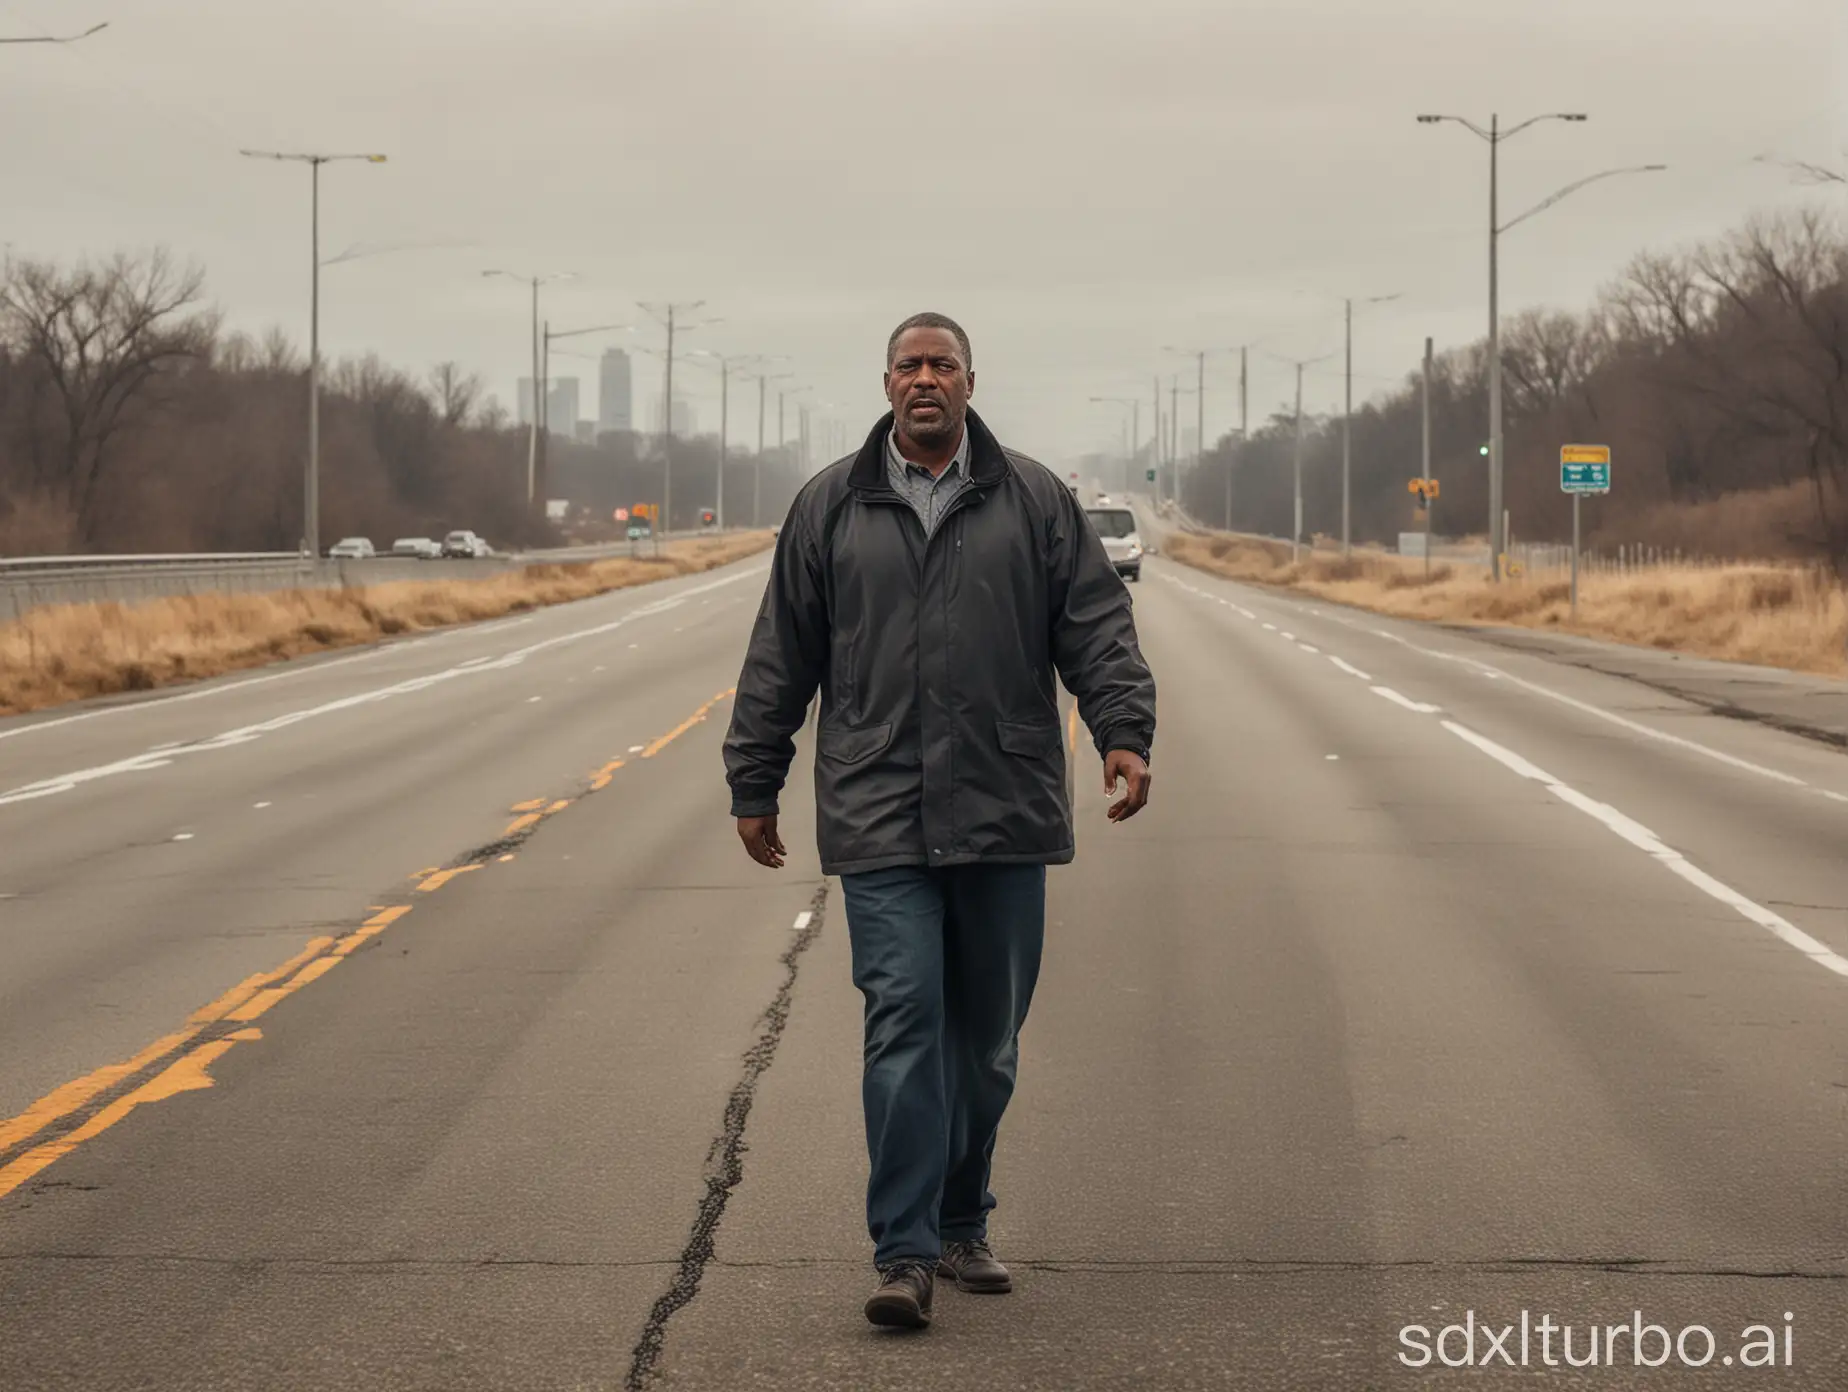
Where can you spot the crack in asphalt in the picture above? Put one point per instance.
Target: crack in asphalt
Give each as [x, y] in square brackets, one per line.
[725, 1157]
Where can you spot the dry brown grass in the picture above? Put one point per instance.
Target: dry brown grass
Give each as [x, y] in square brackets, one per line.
[67, 652]
[1778, 616]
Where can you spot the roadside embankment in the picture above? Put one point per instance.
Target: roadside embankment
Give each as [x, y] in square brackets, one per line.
[70, 652]
[1775, 616]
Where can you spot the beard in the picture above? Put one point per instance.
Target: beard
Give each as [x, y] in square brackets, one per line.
[936, 431]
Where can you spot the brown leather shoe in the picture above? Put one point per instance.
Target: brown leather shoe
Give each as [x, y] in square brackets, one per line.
[974, 1268]
[903, 1298]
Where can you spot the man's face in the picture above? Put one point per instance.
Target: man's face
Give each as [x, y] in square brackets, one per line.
[929, 385]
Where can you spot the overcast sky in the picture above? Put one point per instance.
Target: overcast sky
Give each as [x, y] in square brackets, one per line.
[1081, 183]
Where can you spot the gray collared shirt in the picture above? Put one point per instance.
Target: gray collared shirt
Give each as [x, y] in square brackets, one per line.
[929, 497]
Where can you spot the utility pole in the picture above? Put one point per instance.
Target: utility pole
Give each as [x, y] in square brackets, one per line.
[1296, 527]
[1244, 430]
[667, 314]
[1155, 439]
[1426, 468]
[1174, 436]
[311, 480]
[1200, 427]
[1347, 436]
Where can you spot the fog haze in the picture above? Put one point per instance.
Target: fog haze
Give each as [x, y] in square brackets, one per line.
[1081, 184]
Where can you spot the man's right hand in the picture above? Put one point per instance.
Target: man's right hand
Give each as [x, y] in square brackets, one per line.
[761, 841]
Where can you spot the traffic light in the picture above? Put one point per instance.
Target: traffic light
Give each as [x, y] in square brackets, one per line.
[1484, 449]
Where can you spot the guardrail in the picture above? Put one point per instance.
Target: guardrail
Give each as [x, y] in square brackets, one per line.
[31, 582]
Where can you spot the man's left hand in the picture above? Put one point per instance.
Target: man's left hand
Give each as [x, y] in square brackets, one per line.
[1120, 765]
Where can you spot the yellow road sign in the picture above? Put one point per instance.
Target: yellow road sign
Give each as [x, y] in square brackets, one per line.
[1584, 454]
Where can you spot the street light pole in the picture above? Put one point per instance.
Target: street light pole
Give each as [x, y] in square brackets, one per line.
[1135, 415]
[1347, 433]
[540, 367]
[1347, 422]
[311, 481]
[1495, 135]
[1296, 532]
[58, 38]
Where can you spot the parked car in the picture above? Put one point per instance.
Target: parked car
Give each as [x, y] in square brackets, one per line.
[418, 548]
[464, 545]
[352, 549]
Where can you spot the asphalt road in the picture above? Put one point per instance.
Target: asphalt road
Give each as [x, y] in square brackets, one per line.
[1440, 983]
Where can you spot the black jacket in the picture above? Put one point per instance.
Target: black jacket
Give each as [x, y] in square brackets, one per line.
[939, 737]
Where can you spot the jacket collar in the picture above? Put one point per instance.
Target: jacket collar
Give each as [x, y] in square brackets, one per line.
[988, 462]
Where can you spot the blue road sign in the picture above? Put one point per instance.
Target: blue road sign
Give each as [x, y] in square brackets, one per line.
[1585, 469]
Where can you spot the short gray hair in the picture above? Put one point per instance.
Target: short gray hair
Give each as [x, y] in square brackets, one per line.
[929, 320]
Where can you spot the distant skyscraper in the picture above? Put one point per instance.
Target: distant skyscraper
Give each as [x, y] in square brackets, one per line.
[615, 393]
[561, 404]
[561, 407]
[686, 418]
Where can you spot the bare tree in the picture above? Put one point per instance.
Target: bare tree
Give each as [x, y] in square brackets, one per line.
[456, 392]
[101, 342]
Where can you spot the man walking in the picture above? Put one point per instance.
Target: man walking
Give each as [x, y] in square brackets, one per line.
[929, 587]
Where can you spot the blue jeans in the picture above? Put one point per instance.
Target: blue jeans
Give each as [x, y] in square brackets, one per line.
[946, 960]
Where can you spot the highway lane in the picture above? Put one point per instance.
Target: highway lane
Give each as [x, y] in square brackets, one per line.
[302, 794]
[1359, 1027]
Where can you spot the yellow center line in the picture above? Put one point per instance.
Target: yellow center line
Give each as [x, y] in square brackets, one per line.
[519, 824]
[372, 927]
[183, 1075]
[244, 1002]
[685, 725]
[68, 1098]
[250, 985]
[443, 877]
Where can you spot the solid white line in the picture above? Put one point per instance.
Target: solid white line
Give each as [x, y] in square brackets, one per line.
[1494, 673]
[1350, 669]
[1406, 701]
[1633, 726]
[289, 674]
[142, 763]
[1652, 845]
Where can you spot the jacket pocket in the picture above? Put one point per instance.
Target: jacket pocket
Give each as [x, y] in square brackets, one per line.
[852, 744]
[1028, 739]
